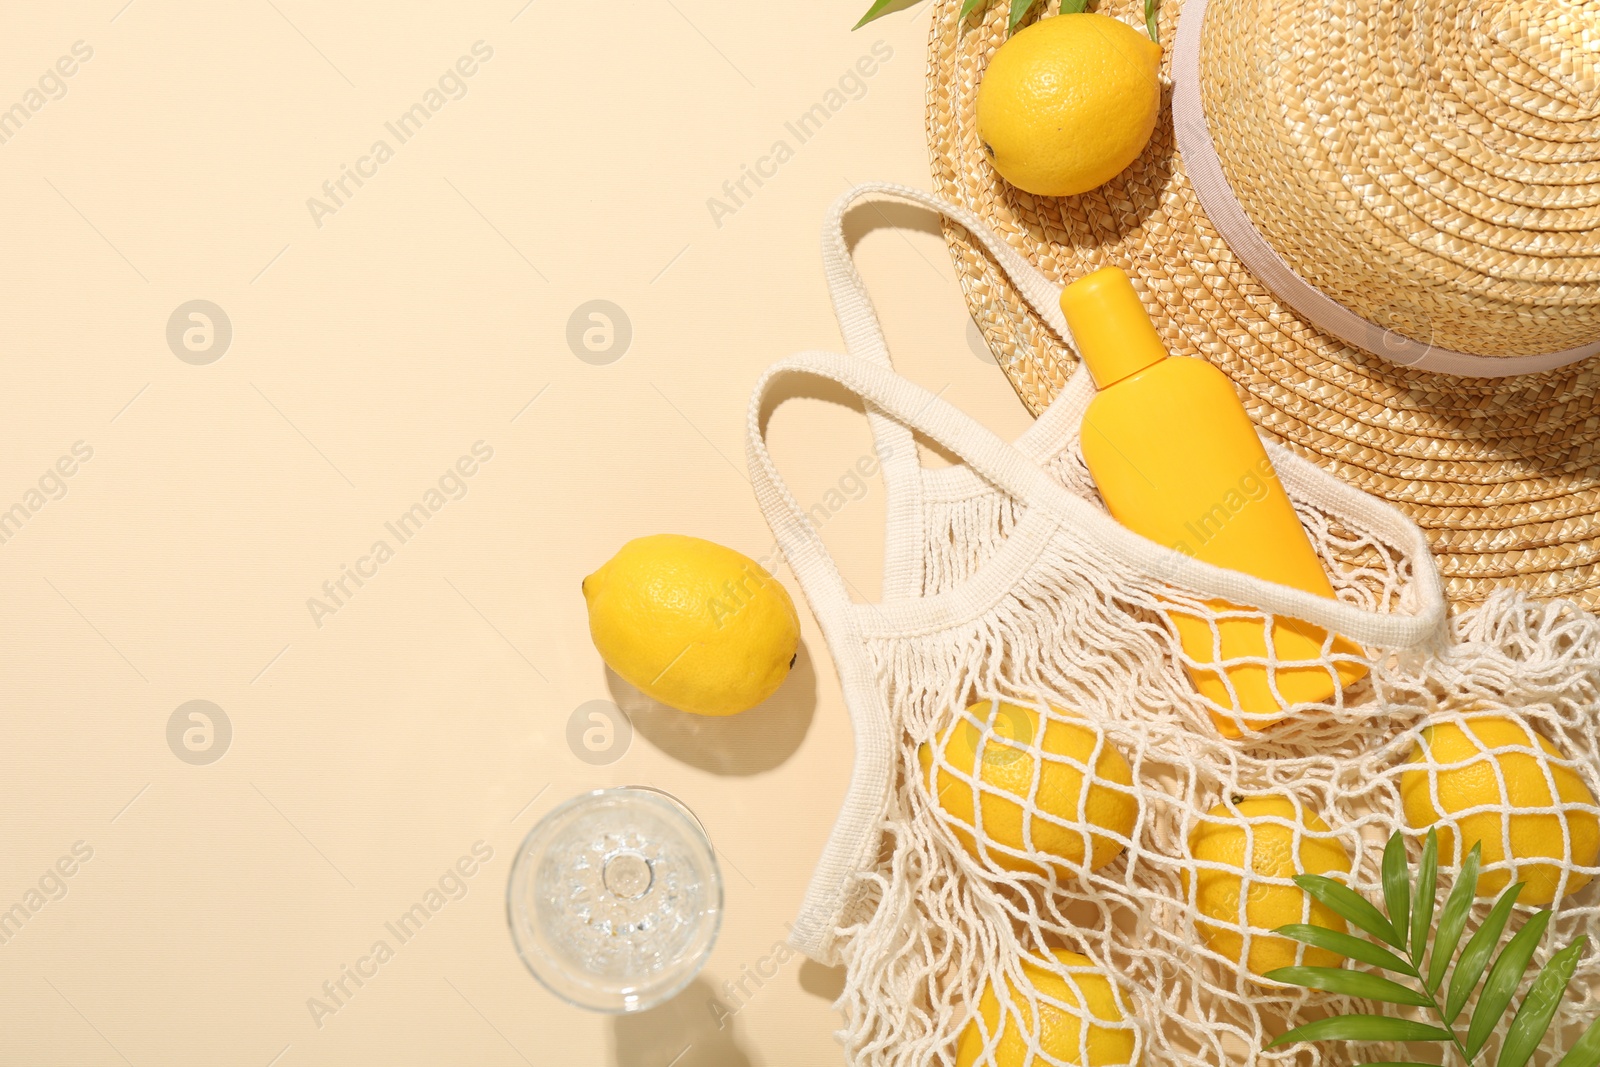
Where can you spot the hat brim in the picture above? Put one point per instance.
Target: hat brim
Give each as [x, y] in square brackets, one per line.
[1502, 474]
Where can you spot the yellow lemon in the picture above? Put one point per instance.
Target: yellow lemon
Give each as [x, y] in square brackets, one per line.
[1469, 800]
[692, 624]
[1069, 102]
[1008, 735]
[1221, 840]
[1060, 1033]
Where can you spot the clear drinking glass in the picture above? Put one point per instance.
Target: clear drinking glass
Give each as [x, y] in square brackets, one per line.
[615, 899]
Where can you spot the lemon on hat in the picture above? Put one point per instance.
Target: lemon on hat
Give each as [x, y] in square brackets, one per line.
[1008, 735]
[1468, 799]
[1069, 102]
[1060, 1034]
[692, 624]
[1251, 839]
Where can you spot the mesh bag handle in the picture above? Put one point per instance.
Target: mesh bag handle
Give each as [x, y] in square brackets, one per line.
[1004, 466]
[863, 337]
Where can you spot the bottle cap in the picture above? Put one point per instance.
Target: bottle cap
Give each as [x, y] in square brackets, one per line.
[1112, 330]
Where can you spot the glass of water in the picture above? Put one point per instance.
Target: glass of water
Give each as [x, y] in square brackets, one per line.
[615, 899]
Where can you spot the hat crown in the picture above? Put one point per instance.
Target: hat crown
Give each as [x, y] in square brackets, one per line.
[1432, 168]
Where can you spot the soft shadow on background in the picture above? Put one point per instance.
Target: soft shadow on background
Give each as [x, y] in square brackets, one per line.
[820, 981]
[747, 743]
[871, 215]
[686, 1027]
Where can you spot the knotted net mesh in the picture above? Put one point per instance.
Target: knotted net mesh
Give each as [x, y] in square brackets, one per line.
[1078, 864]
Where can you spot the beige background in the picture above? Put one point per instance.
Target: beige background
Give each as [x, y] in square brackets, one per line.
[429, 312]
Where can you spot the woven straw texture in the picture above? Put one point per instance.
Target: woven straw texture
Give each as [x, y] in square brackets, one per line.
[1433, 167]
[1503, 475]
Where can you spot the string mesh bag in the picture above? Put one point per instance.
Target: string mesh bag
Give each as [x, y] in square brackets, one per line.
[1041, 857]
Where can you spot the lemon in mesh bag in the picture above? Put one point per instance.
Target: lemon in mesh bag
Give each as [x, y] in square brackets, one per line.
[1489, 778]
[1088, 1032]
[1251, 849]
[1083, 785]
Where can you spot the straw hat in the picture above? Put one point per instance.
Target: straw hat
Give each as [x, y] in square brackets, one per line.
[1384, 226]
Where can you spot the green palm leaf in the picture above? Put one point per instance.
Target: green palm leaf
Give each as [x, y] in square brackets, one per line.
[1019, 11]
[878, 8]
[1539, 1006]
[1409, 928]
[1363, 1028]
[1475, 957]
[1350, 983]
[1453, 920]
[1504, 977]
[1422, 897]
[1337, 941]
[1349, 905]
[1585, 1052]
[1397, 887]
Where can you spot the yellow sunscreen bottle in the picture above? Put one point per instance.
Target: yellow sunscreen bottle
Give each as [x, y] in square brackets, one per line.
[1177, 460]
